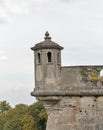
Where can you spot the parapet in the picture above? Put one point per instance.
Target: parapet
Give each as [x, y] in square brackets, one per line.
[76, 81]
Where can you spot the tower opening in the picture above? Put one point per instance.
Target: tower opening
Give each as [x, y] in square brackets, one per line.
[49, 56]
[39, 58]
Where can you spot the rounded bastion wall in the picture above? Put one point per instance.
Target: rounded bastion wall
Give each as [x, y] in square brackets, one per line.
[76, 113]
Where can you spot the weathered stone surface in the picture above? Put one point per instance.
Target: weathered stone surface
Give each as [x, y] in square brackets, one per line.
[77, 113]
[72, 95]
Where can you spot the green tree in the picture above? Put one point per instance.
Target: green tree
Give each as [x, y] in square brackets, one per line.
[19, 118]
[22, 117]
[2, 121]
[4, 107]
[13, 124]
[28, 122]
[39, 114]
[43, 119]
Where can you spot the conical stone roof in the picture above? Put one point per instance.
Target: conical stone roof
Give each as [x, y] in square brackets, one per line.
[47, 44]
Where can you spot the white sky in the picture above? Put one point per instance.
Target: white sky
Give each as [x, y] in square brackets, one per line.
[77, 25]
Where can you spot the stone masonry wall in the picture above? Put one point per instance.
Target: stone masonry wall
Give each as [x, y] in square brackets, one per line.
[76, 113]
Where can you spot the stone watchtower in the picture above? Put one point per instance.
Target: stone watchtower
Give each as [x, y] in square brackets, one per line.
[72, 95]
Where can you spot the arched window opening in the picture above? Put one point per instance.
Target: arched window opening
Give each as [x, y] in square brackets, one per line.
[49, 56]
[39, 58]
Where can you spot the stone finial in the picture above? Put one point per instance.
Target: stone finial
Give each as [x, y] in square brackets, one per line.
[47, 35]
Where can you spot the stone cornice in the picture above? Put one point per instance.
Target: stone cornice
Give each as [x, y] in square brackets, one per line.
[82, 92]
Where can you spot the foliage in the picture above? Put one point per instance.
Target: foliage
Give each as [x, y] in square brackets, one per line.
[28, 122]
[101, 79]
[4, 107]
[94, 75]
[22, 117]
[36, 110]
[84, 72]
[13, 124]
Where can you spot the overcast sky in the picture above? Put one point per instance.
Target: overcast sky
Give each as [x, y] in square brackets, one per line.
[77, 25]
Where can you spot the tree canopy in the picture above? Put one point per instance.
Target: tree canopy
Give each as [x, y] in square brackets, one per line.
[22, 117]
